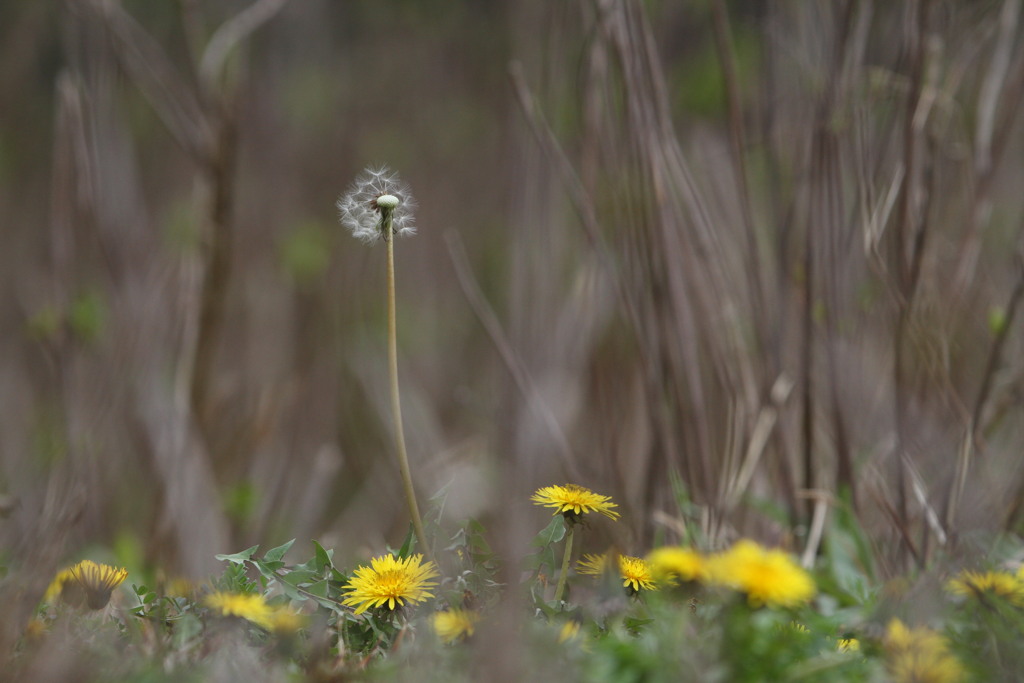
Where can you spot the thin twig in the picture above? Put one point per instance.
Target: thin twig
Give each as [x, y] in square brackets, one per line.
[520, 375]
[230, 34]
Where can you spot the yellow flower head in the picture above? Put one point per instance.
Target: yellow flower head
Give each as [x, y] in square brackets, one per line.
[634, 571]
[919, 655]
[674, 565]
[636, 574]
[848, 645]
[56, 587]
[390, 581]
[998, 584]
[249, 606]
[594, 565]
[87, 582]
[454, 624]
[574, 501]
[570, 631]
[768, 577]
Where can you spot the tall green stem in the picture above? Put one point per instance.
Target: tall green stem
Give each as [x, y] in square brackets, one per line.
[396, 405]
[562, 575]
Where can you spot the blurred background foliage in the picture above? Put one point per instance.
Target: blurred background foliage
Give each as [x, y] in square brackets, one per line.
[756, 244]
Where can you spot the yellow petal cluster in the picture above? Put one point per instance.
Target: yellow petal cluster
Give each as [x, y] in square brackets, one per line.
[674, 565]
[254, 608]
[979, 584]
[455, 624]
[635, 572]
[768, 577]
[390, 581]
[919, 655]
[87, 582]
[574, 501]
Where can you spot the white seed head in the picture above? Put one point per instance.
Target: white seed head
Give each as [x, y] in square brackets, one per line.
[387, 201]
[374, 191]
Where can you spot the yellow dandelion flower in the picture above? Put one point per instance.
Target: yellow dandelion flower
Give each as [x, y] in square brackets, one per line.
[570, 631]
[674, 565]
[390, 581]
[998, 584]
[919, 655]
[455, 624]
[286, 620]
[768, 577]
[594, 565]
[56, 587]
[635, 572]
[98, 581]
[86, 583]
[249, 606]
[848, 645]
[574, 501]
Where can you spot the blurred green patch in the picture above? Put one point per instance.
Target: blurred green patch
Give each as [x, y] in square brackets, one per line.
[49, 439]
[697, 79]
[45, 324]
[88, 315]
[240, 501]
[305, 253]
[310, 101]
[181, 229]
[996, 320]
[85, 318]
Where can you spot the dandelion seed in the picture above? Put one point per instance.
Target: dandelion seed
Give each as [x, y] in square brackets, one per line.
[377, 197]
[390, 581]
[574, 501]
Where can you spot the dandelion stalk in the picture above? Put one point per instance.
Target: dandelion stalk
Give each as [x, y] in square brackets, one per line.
[396, 403]
[379, 205]
[562, 575]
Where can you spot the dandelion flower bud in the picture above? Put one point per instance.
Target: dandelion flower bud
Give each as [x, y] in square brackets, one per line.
[376, 200]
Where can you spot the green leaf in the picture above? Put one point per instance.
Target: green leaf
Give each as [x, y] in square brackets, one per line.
[292, 592]
[552, 533]
[298, 577]
[239, 558]
[275, 554]
[268, 569]
[323, 558]
[406, 548]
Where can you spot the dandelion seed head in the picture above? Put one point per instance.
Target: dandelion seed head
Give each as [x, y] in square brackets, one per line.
[376, 191]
